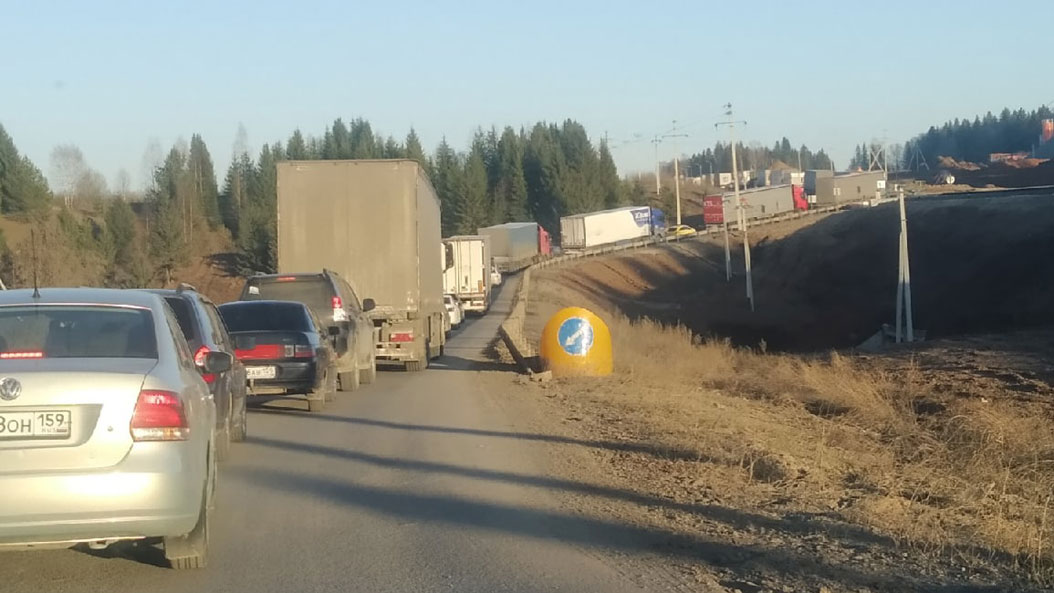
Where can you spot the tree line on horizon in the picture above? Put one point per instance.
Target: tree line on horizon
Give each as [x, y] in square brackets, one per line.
[539, 173]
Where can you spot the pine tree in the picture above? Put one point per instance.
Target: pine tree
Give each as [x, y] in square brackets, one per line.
[363, 143]
[447, 181]
[120, 228]
[543, 167]
[414, 151]
[472, 206]
[235, 195]
[23, 188]
[609, 181]
[296, 148]
[203, 176]
[511, 184]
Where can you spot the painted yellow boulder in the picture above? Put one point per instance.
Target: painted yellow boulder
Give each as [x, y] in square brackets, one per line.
[575, 342]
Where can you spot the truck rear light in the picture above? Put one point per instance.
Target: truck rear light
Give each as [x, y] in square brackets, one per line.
[199, 359]
[159, 416]
[404, 336]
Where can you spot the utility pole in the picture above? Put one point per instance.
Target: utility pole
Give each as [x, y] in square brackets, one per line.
[740, 215]
[656, 141]
[904, 280]
[676, 169]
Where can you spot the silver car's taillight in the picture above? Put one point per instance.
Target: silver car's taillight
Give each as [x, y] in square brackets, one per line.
[159, 416]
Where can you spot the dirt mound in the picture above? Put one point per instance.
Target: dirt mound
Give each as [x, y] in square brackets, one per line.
[978, 264]
[1012, 174]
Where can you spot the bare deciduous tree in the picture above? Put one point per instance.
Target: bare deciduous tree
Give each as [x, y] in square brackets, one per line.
[67, 168]
[152, 159]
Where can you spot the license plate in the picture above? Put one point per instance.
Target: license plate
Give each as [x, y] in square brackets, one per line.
[260, 372]
[40, 425]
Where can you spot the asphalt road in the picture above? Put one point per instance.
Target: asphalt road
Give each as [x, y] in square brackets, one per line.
[419, 482]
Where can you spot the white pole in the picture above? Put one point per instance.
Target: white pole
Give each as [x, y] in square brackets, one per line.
[742, 216]
[907, 270]
[728, 252]
[900, 288]
[677, 186]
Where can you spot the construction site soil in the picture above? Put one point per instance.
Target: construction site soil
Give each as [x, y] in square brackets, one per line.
[978, 264]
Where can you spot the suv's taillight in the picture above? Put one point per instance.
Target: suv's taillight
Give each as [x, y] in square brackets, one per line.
[199, 359]
[159, 416]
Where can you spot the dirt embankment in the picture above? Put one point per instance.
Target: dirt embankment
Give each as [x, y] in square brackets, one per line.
[923, 468]
[978, 264]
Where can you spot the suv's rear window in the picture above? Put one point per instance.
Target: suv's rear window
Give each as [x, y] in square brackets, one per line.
[250, 317]
[64, 331]
[187, 320]
[314, 291]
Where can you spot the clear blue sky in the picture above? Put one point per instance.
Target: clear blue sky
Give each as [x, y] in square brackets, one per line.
[108, 76]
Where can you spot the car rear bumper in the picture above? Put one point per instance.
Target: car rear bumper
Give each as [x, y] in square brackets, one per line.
[154, 492]
[301, 376]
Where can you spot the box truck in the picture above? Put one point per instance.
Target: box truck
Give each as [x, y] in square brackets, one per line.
[376, 223]
[468, 271]
[580, 231]
[512, 243]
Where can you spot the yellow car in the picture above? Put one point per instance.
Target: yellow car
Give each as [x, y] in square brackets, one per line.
[680, 230]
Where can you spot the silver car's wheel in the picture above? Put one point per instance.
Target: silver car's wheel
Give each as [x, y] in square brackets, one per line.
[191, 550]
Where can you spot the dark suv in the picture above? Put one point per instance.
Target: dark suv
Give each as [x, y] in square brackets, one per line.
[332, 300]
[205, 332]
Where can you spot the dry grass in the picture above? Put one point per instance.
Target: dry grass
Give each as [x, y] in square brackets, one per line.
[968, 476]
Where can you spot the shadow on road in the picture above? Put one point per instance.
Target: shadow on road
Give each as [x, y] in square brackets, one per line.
[143, 552]
[452, 362]
[660, 452]
[798, 524]
[577, 529]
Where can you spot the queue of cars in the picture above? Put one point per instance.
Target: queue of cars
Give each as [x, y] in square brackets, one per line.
[116, 405]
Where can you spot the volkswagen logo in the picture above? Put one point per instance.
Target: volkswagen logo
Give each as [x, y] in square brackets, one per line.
[10, 388]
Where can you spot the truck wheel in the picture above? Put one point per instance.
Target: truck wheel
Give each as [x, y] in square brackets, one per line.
[369, 374]
[317, 398]
[413, 366]
[329, 384]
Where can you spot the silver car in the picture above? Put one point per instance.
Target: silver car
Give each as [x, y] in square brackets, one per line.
[106, 426]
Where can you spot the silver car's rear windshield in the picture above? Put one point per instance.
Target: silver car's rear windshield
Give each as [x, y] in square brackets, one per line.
[76, 331]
